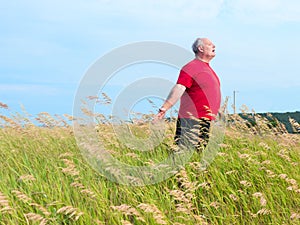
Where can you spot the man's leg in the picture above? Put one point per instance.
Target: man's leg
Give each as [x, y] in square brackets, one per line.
[192, 133]
[203, 134]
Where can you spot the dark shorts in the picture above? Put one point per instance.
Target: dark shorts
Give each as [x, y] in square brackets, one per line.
[192, 133]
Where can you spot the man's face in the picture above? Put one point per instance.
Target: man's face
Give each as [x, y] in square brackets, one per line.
[208, 48]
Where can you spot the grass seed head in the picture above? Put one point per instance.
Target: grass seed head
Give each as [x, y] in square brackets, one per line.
[4, 204]
[263, 211]
[70, 211]
[21, 196]
[295, 216]
[128, 211]
[36, 218]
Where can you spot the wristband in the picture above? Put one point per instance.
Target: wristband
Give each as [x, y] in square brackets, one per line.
[162, 109]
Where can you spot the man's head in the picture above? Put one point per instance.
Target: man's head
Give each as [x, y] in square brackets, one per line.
[204, 49]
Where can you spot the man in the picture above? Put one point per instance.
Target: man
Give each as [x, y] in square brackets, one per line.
[198, 88]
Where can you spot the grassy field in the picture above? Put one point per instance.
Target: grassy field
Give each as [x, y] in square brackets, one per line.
[44, 179]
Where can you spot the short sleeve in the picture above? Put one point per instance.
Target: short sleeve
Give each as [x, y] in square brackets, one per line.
[185, 79]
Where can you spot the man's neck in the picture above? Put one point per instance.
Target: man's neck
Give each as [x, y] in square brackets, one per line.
[203, 59]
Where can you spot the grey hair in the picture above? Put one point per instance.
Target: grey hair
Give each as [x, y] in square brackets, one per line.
[196, 44]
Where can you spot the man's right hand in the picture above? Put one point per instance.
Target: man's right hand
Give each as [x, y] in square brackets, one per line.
[160, 115]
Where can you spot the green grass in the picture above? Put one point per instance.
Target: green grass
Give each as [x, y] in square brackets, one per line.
[44, 179]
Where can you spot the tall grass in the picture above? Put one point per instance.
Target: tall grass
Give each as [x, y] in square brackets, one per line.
[255, 178]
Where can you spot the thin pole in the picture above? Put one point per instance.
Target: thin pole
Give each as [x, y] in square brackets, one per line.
[234, 102]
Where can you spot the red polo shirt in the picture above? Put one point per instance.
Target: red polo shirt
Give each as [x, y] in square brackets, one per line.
[202, 97]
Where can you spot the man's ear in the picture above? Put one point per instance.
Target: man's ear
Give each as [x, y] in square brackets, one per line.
[200, 48]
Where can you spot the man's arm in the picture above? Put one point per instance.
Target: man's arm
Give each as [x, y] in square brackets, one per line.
[174, 95]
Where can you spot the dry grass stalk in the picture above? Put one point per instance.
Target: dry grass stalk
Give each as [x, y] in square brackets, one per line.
[126, 222]
[266, 162]
[132, 155]
[71, 212]
[41, 208]
[98, 222]
[264, 145]
[179, 196]
[66, 154]
[246, 183]
[25, 178]
[283, 154]
[4, 203]
[292, 182]
[21, 196]
[200, 219]
[3, 105]
[184, 198]
[46, 120]
[294, 185]
[205, 185]
[198, 166]
[254, 215]
[283, 176]
[69, 117]
[35, 218]
[270, 173]
[128, 210]
[8, 122]
[256, 124]
[231, 172]
[243, 156]
[233, 197]
[263, 201]
[24, 198]
[184, 181]
[157, 214]
[216, 205]
[263, 211]
[295, 216]
[70, 169]
[223, 154]
[295, 125]
[223, 145]
[83, 189]
[106, 99]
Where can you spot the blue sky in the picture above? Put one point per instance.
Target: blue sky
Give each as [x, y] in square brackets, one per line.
[47, 46]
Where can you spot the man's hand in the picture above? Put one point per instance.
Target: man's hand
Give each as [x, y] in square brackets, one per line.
[160, 115]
